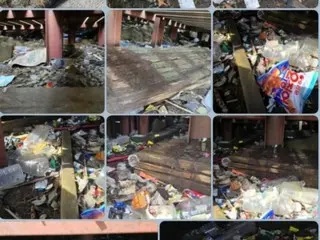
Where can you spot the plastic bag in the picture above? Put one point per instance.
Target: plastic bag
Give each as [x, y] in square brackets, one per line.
[288, 88]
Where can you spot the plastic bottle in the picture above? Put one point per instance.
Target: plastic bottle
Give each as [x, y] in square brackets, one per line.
[193, 207]
[36, 167]
[11, 176]
[101, 180]
[122, 171]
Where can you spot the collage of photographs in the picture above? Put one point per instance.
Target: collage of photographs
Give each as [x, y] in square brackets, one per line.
[159, 119]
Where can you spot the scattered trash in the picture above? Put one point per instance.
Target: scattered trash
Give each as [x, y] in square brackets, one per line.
[282, 62]
[32, 180]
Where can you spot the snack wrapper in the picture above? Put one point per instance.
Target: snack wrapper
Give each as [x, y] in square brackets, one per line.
[289, 88]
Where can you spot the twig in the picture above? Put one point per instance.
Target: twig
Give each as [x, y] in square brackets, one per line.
[11, 213]
[27, 183]
[177, 106]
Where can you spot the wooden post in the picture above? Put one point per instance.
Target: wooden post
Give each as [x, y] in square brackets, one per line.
[69, 199]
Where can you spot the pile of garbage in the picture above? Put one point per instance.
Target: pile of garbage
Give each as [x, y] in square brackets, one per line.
[88, 147]
[135, 194]
[284, 65]
[30, 185]
[139, 4]
[247, 197]
[195, 101]
[253, 4]
[28, 3]
[253, 230]
[85, 68]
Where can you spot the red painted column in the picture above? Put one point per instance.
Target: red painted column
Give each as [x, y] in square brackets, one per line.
[3, 156]
[125, 126]
[274, 130]
[143, 125]
[101, 35]
[174, 33]
[114, 22]
[53, 32]
[158, 31]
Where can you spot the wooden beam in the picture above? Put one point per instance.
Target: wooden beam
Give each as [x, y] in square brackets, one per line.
[180, 173]
[251, 91]
[52, 100]
[69, 198]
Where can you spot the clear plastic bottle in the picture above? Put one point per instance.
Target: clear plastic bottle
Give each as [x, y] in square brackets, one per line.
[11, 176]
[101, 180]
[193, 207]
[37, 166]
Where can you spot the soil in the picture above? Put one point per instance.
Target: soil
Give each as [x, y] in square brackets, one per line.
[19, 201]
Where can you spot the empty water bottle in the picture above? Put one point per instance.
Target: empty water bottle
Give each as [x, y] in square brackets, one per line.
[11, 176]
[37, 167]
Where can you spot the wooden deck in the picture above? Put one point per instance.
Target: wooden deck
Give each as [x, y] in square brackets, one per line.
[141, 76]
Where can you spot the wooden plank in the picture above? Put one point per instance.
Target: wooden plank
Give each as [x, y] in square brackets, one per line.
[52, 100]
[175, 172]
[251, 91]
[146, 156]
[276, 170]
[266, 163]
[182, 184]
[69, 200]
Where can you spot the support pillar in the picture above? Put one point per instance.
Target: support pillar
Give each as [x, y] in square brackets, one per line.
[143, 125]
[227, 129]
[114, 22]
[174, 33]
[132, 124]
[71, 37]
[101, 35]
[125, 125]
[3, 156]
[274, 130]
[158, 32]
[54, 37]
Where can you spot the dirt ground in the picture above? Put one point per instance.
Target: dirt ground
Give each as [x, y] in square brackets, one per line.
[278, 3]
[19, 201]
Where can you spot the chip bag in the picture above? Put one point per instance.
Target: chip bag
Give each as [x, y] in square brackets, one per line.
[289, 88]
[140, 200]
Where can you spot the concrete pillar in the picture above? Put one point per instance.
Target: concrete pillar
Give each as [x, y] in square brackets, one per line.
[158, 31]
[54, 38]
[143, 125]
[114, 22]
[3, 156]
[274, 130]
[125, 126]
[174, 33]
[101, 35]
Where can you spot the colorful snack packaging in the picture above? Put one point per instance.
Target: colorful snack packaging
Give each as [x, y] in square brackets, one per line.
[289, 88]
